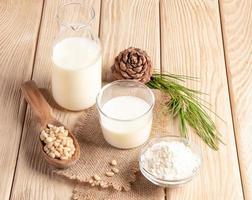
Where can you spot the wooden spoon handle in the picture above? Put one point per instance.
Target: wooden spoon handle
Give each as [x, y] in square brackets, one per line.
[37, 102]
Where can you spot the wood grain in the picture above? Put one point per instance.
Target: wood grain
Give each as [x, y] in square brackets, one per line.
[19, 24]
[236, 18]
[126, 23]
[37, 102]
[33, 179]
[191, 44]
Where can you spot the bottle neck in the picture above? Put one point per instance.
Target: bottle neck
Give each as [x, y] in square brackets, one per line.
[75, 15]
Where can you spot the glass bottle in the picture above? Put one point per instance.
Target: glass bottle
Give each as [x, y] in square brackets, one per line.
[76, 74]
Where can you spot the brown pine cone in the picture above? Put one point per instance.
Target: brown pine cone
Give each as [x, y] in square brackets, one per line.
[132, 63]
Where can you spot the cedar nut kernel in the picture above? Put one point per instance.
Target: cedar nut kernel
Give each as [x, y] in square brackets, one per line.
[57, 143]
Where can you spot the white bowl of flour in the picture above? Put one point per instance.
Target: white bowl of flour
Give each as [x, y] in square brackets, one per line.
[169, 161]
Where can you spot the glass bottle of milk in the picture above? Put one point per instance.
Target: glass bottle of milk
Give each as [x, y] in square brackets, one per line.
[76, 75]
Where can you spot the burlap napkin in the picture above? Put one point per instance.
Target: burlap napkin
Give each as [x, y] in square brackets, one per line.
[96, 153]
[142, 189]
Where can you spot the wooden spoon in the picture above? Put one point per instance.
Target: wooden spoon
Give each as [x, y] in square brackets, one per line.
[44, 113]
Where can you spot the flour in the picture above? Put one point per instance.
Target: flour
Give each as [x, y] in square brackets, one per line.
[170, 160]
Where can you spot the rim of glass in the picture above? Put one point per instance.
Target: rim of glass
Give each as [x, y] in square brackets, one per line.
[192, 145]
[126, 81]
[83, 4]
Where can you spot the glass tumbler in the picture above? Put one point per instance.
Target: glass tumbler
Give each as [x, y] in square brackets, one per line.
[125, 113]
[76, 74]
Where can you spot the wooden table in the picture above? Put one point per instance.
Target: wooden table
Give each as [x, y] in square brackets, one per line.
[208, 39]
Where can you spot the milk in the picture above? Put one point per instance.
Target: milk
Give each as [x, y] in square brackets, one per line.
[76, 75]
[127, 123]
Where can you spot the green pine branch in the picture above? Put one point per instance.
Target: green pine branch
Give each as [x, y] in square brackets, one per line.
[185, 105]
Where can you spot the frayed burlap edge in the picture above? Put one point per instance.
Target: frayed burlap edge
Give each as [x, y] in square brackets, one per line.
[142, 189]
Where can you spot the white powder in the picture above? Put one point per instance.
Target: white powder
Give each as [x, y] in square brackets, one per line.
[170, 160]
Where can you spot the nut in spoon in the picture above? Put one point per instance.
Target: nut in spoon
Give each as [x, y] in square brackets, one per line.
[44, 113]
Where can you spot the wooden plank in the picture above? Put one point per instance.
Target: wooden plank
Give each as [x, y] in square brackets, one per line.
[191, 44]
[19, 24]
[236, 18]
[126, 23]
[33, 179]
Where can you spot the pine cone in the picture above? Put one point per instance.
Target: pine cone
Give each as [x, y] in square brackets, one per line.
[132, 63]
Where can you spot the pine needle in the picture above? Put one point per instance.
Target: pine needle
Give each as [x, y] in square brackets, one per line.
[185, 105]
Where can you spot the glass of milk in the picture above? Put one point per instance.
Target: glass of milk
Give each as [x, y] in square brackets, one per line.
[76, 74]
[125, 109]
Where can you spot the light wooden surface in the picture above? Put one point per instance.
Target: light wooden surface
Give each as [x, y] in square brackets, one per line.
[19, 23]
[206, 38]
[192, 45]
[126, 23]
[236, 17]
